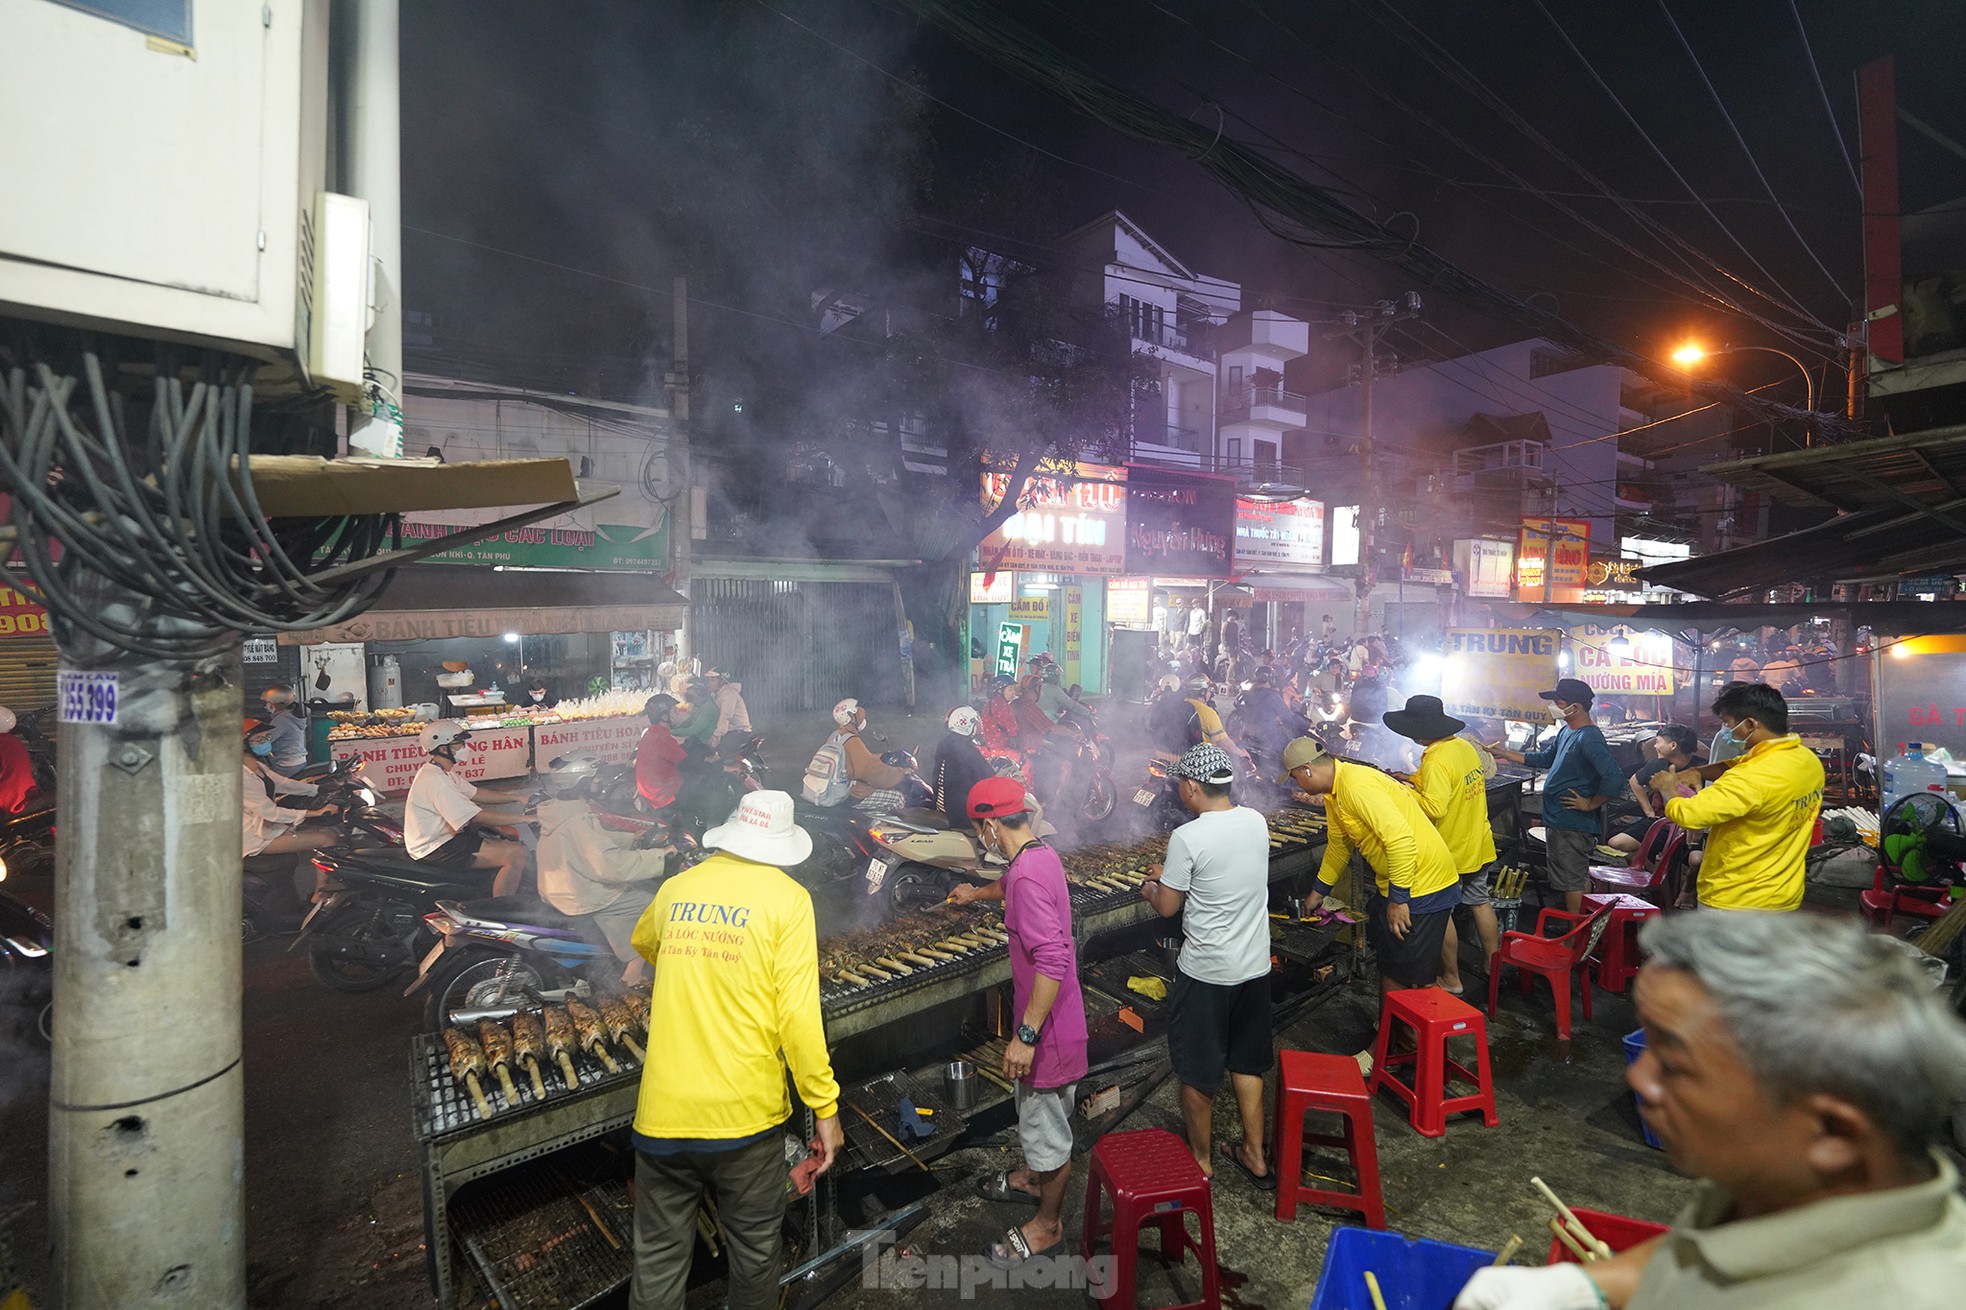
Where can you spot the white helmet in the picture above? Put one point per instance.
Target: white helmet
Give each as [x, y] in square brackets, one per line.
[844, 711]
[569, 775]
[1169, 682]
[964, 721]
[444, 732]
[7, 719]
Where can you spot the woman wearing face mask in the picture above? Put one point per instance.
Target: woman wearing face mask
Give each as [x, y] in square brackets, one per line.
[271, 828]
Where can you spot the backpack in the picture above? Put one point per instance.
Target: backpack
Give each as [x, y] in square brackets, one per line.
[826, 781]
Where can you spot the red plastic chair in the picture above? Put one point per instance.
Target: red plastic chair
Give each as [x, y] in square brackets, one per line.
[1148, 1178]
[1665, 845]
[1330, 1084]
[1886, 900]
[1555, 958]
[1618, 953]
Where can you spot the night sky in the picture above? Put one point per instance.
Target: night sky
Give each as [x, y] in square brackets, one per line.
[770, 147]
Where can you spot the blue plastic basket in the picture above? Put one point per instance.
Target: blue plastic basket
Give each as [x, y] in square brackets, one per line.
[1634, 1047]
[1413, 1273]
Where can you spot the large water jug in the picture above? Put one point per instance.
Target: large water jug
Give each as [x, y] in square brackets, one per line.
[1911, 772]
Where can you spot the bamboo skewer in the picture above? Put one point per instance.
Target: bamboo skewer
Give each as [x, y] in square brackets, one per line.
[1576, 1248]
[1584, 1234]
[538, 1083]
[1509, 1249]
[477, 1095]
[1372, 1286]
[566, 1067]
[891, 1137]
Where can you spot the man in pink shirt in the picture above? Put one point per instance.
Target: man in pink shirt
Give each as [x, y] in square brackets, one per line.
[1047, 1054]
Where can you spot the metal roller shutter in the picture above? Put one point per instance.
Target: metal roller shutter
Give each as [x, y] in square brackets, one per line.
[27, 672]
[799, 646]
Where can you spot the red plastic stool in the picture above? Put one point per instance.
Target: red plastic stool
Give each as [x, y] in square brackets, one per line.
[1152, 1178]
[1618, 955]
[1333, 1084]
[1434, 1016]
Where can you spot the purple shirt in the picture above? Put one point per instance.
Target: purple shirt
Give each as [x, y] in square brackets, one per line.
[1037, 911]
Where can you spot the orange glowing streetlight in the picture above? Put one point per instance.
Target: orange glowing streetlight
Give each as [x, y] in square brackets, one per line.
[1692, 353]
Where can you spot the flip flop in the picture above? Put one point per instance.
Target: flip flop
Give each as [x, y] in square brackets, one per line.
[996, 1187]
[1261, 1182]
[1015, 1249]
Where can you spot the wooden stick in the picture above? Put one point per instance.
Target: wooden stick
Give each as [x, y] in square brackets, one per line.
[1576, 1225]
[1372, 1286]
[634, 1048]
[1509, 1248]
[600, 1052]
[566, 1067]
[478, 1095]
[538, 1083]
[1576, 1248]
[505, 1082]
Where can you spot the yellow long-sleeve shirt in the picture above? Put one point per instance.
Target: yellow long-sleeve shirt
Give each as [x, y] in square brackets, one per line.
[1448, 784]
[735, 1003]
[1761, 813]
[1370, 813]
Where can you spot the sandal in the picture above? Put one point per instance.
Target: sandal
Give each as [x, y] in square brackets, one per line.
[1262, 1182]
[996, 1187]
[1015, 1249]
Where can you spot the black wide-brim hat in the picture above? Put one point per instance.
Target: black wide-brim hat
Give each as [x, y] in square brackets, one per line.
[1423, 719]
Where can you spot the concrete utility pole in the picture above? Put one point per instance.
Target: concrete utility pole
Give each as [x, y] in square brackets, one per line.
[1364, 327]
[370, 165]
[146, 1115]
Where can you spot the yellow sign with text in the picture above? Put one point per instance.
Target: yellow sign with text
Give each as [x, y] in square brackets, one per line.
[1497, 673]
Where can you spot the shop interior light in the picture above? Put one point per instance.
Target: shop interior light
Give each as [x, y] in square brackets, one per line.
[512, 638]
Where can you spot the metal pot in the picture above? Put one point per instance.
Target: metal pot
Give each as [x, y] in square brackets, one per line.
[959, 1085]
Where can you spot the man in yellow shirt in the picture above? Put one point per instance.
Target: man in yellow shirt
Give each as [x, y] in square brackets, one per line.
[1417, 886]
[1761, 814]
[735, 1004]
[1452, 789]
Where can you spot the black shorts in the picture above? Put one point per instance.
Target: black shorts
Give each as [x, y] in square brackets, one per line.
[1415, 960]
[459, 851]
[1213, 1026]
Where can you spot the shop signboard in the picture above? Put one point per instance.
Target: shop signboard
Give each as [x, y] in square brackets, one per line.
[1487, 567]
[615, 547]
[1643, 668]
[1564, 543]
[1179, 522]
[1074, 597]
[1287, 533]
[613, 740]
[1616, 574]
[20, 615]
[1497, 673]
[999, 588]
[1921, 695]
[1010, 649]
[391, 762]
[1130, 602]
[1070, 519]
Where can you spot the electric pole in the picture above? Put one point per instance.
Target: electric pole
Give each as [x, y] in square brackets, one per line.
[1364, 327]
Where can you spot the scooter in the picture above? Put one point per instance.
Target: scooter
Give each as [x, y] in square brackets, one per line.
[367, 922]
[27, 972]
[1093, 766]
[1158, 798]
[275, 889]
[494, 956]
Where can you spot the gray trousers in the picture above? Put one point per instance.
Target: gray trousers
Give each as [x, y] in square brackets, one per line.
[748, 1183]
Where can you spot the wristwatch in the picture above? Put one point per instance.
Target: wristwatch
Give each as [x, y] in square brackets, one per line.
[1027, 1034]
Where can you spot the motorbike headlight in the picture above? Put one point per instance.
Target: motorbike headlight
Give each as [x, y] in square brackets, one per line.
[367, 796]
[3, 869]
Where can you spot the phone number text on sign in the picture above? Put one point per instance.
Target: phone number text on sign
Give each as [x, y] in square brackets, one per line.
[87, 697]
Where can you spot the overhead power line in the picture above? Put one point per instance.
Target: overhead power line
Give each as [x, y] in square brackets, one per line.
[1816, 72]
[1264, 185]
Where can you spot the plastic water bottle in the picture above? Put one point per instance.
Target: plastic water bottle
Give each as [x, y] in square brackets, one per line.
[1911, 772]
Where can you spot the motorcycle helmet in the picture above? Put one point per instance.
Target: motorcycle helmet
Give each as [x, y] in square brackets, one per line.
[964, 721]
[844, 712]
[7, 719]
[1200, 683]
[1264, 677]
[441, 734]
[658, 707]
[569, 775]
[1170, 682]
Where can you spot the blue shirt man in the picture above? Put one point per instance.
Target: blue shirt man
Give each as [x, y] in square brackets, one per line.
[1581, 777]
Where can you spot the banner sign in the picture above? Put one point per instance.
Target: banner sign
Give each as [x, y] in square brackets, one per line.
[1487, 567]
[20, 615]
[999, 588]
[1034, 608]
[614, 740]
[1645, 668]
[1074, 634]
[1130, 603]
[1921, 695]
[1179, 522]
[1279, 532]
[1010, 649]
[1070, 519]
[1497, 673]
[391, 762]
[1565, 543]
[612, 546]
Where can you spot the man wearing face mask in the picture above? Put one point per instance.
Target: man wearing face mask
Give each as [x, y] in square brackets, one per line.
[538, 695]
[1582, 777]
[1761, 814]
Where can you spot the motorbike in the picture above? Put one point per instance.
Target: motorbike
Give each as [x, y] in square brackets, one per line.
[27, 838]
[1092, 767]
[1158, 798]
[366, 925]
[27, 972]
[498, 955]
[275, 889]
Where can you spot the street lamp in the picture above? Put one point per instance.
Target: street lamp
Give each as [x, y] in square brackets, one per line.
[1689, 354]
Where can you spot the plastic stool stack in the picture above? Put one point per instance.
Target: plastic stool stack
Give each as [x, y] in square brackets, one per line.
[1149, 1177]
[1330, 1083]
[1434, 1017]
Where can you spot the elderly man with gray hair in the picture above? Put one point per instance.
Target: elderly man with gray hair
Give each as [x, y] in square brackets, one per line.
[1802, 1069]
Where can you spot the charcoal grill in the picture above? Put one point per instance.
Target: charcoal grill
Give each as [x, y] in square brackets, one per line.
[880, 1100]
[542, 1241]
[441, 1105]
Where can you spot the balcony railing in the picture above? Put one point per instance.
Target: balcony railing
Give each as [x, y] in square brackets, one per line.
[1523, 458]
[1173, 436]
[1238, 401]
[1188, 341]
[1248, 471]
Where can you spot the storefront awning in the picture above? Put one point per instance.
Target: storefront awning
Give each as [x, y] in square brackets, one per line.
[436, 601]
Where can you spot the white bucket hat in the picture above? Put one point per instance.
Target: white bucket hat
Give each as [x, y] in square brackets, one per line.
[762, 830]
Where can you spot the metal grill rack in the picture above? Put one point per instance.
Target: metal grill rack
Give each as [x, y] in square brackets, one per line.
[542, 1241]
[880, 1100]
[440, 1104]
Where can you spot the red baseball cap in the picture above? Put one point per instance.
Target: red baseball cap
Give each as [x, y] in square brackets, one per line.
[993, 798]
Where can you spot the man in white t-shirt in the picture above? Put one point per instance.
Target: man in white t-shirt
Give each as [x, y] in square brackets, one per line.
[1217, 878]
[1197, 619]
[443, 823]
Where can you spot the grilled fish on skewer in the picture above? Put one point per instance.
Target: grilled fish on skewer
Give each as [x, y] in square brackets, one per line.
[467, 1062]
[638, 1005]
[593, 1035]
[497, 1044]
[560, 1042]
[528, 1044]
[621, 1025]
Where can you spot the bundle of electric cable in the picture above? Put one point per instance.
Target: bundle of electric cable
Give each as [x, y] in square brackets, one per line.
[167, 522]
